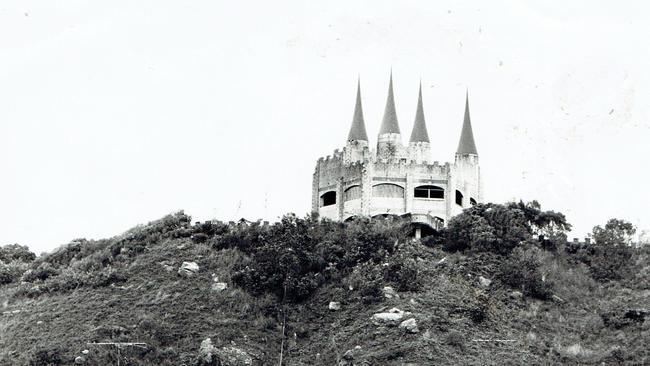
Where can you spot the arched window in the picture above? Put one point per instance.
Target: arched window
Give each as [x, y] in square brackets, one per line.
[429, 192]
[388, 190]
[328, 199]
[352, 193]
[459, 198]
[472, 201]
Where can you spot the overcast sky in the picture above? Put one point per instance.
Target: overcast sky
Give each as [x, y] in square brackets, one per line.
[116, 113]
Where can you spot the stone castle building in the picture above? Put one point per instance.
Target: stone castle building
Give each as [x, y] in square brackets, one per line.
[397, 179]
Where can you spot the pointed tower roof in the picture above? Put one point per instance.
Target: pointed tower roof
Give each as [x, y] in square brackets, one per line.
[419, 133]
[466, 144]
[358, 129]
[389, 123]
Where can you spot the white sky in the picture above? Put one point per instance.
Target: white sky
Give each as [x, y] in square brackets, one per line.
[116, 113]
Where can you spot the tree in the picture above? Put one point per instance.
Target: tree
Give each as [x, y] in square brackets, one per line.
[500, 228]
[616, 232]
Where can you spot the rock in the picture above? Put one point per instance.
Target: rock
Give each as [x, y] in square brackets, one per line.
[389, 292]
[232, 356]
[484, 281]
[348, 355]
[39, 322]
[390, 318]
[516, 294]
[225, 356]
[79, 360]
[168, 268]
[219, 286]
[410, 325]
[334, 305]
[347, 358]
[188, 269]
[443, 260]
[85, 352]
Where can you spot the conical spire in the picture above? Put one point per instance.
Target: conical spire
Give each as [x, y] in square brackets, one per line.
[389, 123]
[419, 133]
[466, 144]
[358, 129]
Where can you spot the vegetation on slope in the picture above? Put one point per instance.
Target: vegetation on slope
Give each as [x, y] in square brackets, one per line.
[499, 285]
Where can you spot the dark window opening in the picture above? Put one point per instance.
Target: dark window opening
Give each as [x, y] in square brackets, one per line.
[459, 198]
[328, 198]
[429, 192]
[472, 201]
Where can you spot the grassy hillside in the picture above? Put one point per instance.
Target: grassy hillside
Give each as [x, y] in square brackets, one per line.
[487, 291]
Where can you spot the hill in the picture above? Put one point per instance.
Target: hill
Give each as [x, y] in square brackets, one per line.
[488, 290]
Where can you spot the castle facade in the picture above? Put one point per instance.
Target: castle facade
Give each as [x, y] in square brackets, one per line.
[397, 179]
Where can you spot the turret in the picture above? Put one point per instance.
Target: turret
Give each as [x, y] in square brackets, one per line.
[357, 143]
[467, 175]
[466, 145]
[419, 146]
[389, 141]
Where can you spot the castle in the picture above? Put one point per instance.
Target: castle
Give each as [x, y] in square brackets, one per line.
[394, 179]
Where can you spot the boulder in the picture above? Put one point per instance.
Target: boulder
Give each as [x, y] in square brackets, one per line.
[232, 356]
[79, 360]
[224, 356]
[334, 305]
[347, 359]
[410, 325]
[516, 294]
[188, 269]
[390, 318]
[348, 355]
[85, 352]
[219, 286]
[389, 292]
[484, 282]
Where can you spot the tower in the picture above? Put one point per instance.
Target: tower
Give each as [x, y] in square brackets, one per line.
[466, 167]
[419, 145]
[389, 141]
[356, 147]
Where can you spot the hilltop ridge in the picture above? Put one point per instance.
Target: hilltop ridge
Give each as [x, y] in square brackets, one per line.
[487, 290]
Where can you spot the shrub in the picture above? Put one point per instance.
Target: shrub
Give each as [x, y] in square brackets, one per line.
[289, 258]
[522, 270]
[46, 357]
[605, 262]
[11, 272]
[455, 339]
[403, 273]
[15, 252]
[500, 228]
[40, 273]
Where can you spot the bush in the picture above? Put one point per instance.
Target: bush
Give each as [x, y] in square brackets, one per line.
[501, 228]
[15, 252]
[11, 272]
[46, 357]
[606, 263]
[522, 270]
[290, 257]
[455, 339]
[403, 273]
[40, 273]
